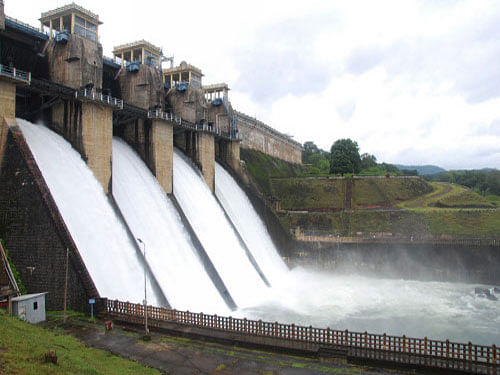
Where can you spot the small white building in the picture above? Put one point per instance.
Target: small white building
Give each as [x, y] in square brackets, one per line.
[30, 307]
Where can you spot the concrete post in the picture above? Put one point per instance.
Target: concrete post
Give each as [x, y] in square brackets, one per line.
[2, 16]
[233, 155]
[7, 112]
[205, 156]
[97, 136]
[162, 152]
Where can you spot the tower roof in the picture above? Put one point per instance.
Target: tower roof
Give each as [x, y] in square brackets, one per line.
[68, 9]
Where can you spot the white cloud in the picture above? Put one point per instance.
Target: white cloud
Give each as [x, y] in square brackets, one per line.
[412, 81]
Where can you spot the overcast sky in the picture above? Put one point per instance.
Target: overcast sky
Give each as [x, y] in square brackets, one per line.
[413, 82]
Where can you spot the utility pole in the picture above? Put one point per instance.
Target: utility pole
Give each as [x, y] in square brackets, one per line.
[66, 285]
[145, 297]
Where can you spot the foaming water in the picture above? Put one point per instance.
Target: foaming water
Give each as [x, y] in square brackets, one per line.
[216, 234]
[152, 217]
[249, 225]
[100, 237]
[438, 310]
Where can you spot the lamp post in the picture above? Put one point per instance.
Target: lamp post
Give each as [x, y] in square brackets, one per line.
[145, 297]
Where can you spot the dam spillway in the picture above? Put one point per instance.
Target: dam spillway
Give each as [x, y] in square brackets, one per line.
[100, 237]
[250, 226]
[446, 310]
[152, 217]
[216, 234]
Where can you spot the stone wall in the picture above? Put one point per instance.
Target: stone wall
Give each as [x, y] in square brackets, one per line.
[190, 104]
[76, 63]
[258, 136]
[35, 234]
[144, 88]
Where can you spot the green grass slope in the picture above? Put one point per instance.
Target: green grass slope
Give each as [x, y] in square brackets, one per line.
[23, 346]
[309, 193]
[263, 167]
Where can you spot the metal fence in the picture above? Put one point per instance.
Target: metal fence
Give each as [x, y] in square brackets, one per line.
[15, 73]
[96, 96]
[189, 125]
[422, 347]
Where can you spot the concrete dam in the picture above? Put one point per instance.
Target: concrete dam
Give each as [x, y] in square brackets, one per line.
[96, 153]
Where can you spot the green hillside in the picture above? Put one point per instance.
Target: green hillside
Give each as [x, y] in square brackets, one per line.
[399, 205]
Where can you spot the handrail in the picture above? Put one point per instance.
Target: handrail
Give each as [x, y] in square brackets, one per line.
[94, 95]
[189, 125]
[423, 347]
[15, 73]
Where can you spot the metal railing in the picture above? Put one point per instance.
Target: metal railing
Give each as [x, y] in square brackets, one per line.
[96, 96]
[15, 74]
[391, 346]
[189, 125]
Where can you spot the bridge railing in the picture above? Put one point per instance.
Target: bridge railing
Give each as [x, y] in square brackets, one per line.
[15, 73]
[187, 124]
[422, 347]
[96, 96]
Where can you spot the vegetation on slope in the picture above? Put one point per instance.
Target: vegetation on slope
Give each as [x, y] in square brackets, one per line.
[449, 196]
[23, 346]
[309, 193]
[262, 167]
[15, 272]
[370, 192]
[458, 223]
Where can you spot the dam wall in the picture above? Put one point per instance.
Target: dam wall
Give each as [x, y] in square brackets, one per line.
[35, 233]
[258, 136]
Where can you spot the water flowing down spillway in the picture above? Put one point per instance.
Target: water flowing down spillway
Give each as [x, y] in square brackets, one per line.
[100, 237]
[152, 217]
[216, 234]
[250, 226]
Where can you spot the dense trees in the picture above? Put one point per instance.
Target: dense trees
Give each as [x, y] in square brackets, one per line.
[344, 157]
[483, 182]
[319, 159]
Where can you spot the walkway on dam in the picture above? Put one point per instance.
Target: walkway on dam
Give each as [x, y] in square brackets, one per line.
[179, 355]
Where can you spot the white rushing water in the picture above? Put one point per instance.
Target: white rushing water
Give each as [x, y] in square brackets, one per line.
[438, 310]
[250, 226]
[109, 256]
[216, 234]
[152, 217]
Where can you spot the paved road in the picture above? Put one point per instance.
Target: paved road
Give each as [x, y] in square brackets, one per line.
[179, 356]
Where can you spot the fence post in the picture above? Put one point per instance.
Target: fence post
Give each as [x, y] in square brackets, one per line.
[404, 343]
[425, 345]
[385, 337]
[447, 349]
[494, 353]
[346, 342]
[470, 351]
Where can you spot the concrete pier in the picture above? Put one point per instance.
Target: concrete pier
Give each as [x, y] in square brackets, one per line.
[162, 153]
[205, 157]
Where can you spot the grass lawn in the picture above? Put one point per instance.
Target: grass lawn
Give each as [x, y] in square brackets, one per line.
[23, 345]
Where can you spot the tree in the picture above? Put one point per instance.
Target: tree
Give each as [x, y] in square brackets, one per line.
[368, 161]
[344, 157]
[309, 149]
